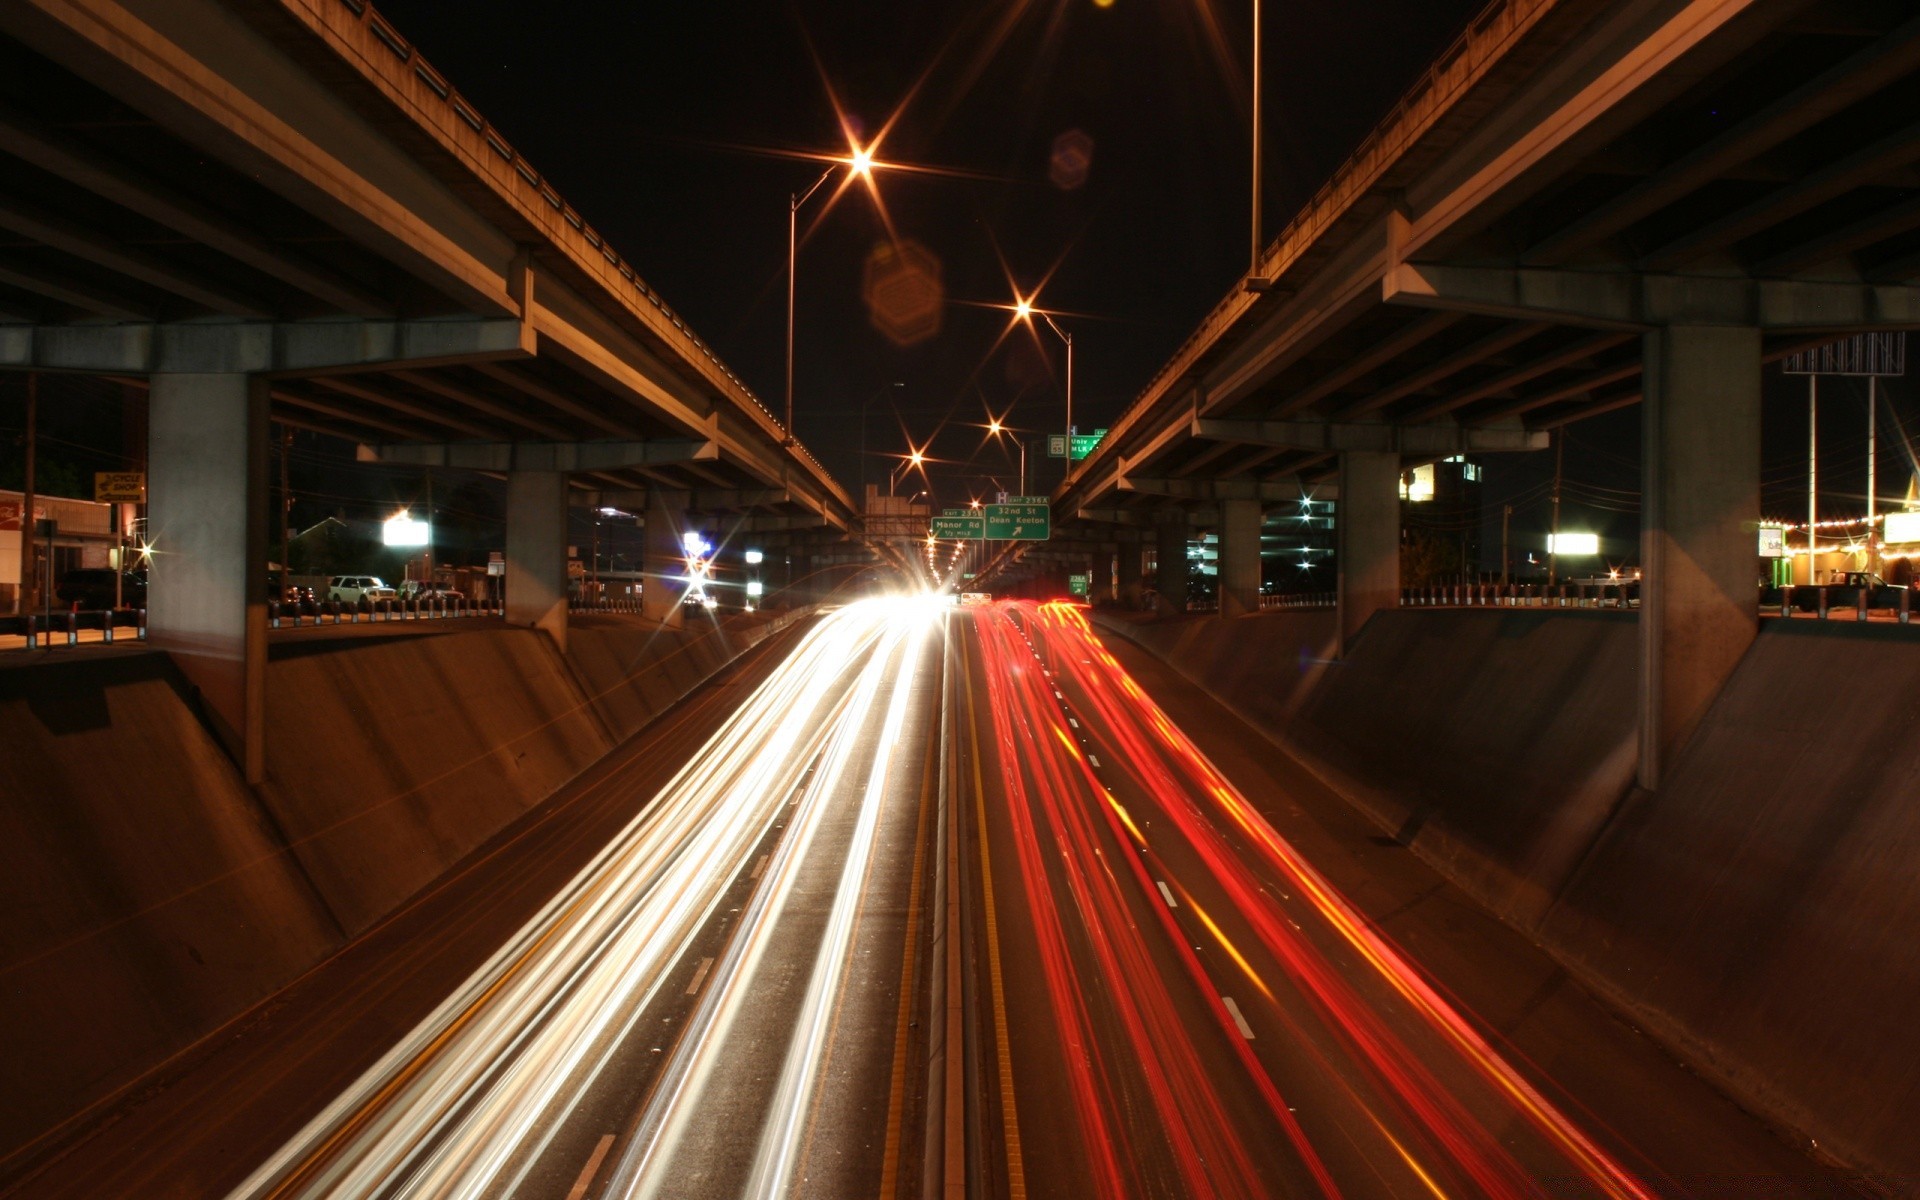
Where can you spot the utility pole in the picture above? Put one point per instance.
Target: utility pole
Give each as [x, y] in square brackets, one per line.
[1873, 473]
[1813, 476]
[1506, 559]
[429, 554]
[1553, 541]
[286, 510]
[23, 595]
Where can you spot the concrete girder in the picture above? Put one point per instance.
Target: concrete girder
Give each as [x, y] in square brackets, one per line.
[74, 293]
[286, 348]
[1630, 300]
[1419, 440]
[1503, 383]
[1897, 149]
[1823, 96]
[91, 245]
[1211, 491]
[25, 138]
[555, 398]
[1471, 355]
[1146, 518]
[699, 500]
[338, 167]
[453, 420]
[1372, 359]
[572, 329]
[541, 456]
[482, 403]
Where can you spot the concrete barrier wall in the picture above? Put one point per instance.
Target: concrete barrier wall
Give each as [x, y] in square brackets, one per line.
[1761, 910]
[1268, 663]
[1494, 743]
[147, 896]
[389, 759]
[1757, 914]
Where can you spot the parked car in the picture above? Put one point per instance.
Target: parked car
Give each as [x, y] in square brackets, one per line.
[92, 588]
[1845, 590]
[352, 589]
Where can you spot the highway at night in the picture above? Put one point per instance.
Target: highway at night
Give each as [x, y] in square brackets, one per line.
[1222, 1021]
[709, 1007]
[1158, 995]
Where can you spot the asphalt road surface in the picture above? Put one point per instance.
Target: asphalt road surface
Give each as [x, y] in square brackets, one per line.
[1174, 1001]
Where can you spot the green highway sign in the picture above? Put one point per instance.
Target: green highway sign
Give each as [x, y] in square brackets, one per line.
[971, 526]
[1079, 585]
[1019, 522]
[1083, 444]
[959, 512]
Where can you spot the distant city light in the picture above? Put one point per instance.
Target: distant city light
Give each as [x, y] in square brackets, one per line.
[755, 557]
[403, 530]
[755, 587]
[1902, 527]
[1573, 545]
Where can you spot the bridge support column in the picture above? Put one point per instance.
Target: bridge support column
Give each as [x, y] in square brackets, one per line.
[1239, 557]
[664, 557]
[1367, 532]
[1170, 541]
[1127, 576]
[537, 552]
[207, 488]
[1699, 609]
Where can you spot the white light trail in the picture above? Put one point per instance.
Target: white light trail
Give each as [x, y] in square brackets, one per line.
[467, 1101]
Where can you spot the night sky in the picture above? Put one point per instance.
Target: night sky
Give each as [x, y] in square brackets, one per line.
[665, 125]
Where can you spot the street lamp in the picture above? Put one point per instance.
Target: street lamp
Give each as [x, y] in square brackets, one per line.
[861, 164]
[914, 458]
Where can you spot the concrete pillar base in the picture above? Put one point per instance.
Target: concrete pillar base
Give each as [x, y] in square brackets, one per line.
[1239, 557]
[1367, 530]
[537, 552]
[1699, 608]
[1127, 575]
[1170, 541]
[664, 558]
[207, 499]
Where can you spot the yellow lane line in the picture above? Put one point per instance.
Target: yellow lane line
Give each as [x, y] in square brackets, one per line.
[1016, 1163]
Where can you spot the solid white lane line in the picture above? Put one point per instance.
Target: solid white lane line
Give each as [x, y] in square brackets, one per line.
[1233, 1010]
[593, 1163]
[1166, 895]
[700, 974]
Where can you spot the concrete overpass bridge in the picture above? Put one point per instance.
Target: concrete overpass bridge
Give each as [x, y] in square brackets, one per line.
[277, 210]
[1582, 206]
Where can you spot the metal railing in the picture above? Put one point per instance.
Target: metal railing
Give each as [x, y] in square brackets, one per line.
[44, 631]
[296, 613]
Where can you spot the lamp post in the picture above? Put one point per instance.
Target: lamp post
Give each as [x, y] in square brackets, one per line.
[995, 428]
[861, 163]
[1025, 310]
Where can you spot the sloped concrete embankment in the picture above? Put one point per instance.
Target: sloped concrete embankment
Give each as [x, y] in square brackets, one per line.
[1756, 913]
[149, 896]
[1759, 912]
[1495, 744]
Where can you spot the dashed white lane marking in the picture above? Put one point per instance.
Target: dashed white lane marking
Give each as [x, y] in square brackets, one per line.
[1233, 1010]
[1166, 895]
[700, 976]
[1073, 722]
[593, 1164]
[759, 867]
[1094, 759]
